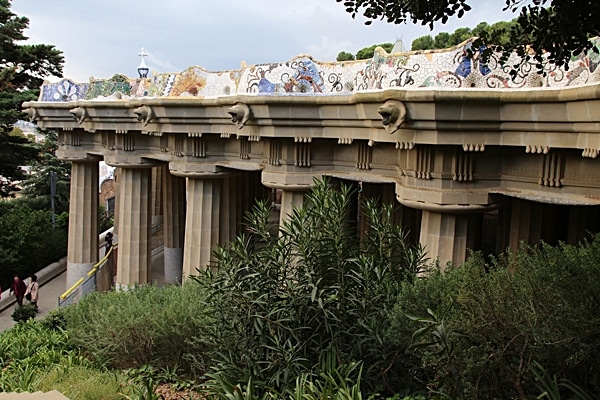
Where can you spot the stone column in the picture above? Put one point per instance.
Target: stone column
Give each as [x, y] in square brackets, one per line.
[83, 220]
[118, 189]
[173, 225]
[135, 213]
[230, 204]
[202, 222]
[526, 223]
[157, 196]
[582, 221]
[289, 200]
[445, 236]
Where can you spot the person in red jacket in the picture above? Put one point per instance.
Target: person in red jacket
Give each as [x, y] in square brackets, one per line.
[18, 288]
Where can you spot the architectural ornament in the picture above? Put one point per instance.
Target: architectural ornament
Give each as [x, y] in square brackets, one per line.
[392, 113]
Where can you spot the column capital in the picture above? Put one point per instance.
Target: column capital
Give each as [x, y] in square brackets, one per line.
[199, 171]
[448, 208]
[84, 158]
[289, 181]
[132, 163]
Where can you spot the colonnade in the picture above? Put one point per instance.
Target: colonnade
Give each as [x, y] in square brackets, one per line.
[200, 211]
[196, 213]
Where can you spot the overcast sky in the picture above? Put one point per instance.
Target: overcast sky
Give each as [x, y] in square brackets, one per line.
[102, 37]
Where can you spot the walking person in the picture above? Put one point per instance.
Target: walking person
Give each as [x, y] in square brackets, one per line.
[18, 288]
[31, 293]
[108, 242]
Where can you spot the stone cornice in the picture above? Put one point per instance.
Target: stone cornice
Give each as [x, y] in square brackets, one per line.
[563, 118]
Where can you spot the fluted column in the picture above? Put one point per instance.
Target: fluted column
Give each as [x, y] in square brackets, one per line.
[173, 225]
[134, 265]
[230, 197]
[83, 220]
[117, 202]
[157, 196]
[202, 223]
[444, 236]
[526, 223]
[289, 200]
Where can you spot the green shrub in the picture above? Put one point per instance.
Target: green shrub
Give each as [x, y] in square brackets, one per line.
[281, 299]
[143, 326]
[538, 305]
[28, 351]
[23, 313]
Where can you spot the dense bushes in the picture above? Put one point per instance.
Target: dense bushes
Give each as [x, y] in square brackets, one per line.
[28, 242]
[142, 326]
[39, 356]
[281, 300]
[313, 312]
[540, 305]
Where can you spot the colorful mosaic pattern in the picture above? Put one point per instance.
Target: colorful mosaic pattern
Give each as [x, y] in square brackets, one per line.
[303, 75]
[65, 90]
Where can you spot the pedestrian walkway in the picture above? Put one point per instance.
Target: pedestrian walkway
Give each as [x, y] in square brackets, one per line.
[48, 300]
[51, 290]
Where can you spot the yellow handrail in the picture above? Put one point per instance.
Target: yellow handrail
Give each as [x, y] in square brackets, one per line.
[89, 274]
[71, 289]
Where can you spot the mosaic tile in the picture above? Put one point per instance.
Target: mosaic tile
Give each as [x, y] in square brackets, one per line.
[301, 76]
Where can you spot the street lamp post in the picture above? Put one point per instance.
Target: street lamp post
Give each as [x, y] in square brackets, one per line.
[52, 195]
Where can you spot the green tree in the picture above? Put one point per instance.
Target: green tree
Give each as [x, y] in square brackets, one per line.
[22, 71]
[460, 35]
[15, 152]
[422, 43]
[557, 27]
[28, 241]
[498, 32]
[36, 188]
[368, 52]
[442, 41]
[344, 56]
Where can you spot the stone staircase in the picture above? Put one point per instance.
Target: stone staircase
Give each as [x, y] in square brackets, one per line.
[53, 395]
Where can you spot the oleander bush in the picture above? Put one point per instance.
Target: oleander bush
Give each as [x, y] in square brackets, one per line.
[281, 299]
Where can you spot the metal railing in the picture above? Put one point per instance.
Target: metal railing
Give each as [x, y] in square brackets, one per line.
[98, 278]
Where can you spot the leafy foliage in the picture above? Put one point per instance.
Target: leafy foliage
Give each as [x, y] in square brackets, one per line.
[519, 326]
[36, 188]
[23, 313]
[368, 52]
[282, 299]
[143, 326]
[345, 56]
[15, 152]
[29, 349]
[500, 31]
[37, 357]
[560, 28]
[28, 242]
[22, 71]
[538, 305]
